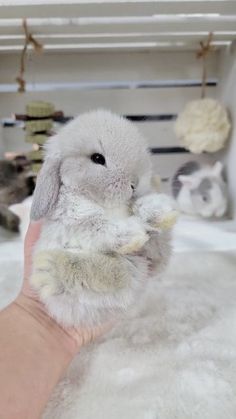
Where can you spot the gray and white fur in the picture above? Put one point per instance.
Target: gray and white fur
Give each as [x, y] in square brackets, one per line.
[102, 220]
[15, 185]
[200, 189]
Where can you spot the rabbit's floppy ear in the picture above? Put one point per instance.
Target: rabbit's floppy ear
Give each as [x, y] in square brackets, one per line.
[47, 188]
[217, 169]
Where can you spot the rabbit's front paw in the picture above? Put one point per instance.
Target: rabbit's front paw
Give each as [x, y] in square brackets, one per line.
[132, 240]
[44, 278]
[157, 210]
[135, 244]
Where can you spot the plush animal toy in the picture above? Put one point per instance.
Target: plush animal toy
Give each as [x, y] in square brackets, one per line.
[103, 223]
[16, 183]
[200, 190]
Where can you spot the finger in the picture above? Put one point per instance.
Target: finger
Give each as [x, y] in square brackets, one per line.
[31, 237]
[85, 335]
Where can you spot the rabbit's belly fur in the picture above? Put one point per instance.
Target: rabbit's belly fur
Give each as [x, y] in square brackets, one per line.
[89, 291]
[75, 234]
[79, 271]
[75, 280]
[86, 289]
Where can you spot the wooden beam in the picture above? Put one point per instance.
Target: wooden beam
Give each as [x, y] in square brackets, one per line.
[117, 8]
[93, 48]
[163, 27]
[165, 38]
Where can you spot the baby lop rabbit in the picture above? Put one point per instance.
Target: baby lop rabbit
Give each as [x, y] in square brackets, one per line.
[103, 224]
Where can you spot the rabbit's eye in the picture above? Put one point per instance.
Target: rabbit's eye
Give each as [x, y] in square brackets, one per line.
[98, 159]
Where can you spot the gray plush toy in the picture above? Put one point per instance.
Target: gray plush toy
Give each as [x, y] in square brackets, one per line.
[16, 184]
[200, 189]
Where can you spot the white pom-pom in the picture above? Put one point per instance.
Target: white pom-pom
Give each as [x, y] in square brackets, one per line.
[203, 126]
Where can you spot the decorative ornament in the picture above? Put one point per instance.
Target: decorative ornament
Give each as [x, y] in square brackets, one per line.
[38, 127]
[29, 40]
[204, 124]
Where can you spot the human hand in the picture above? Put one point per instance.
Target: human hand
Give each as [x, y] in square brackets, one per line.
[35, 350]
[74, 338]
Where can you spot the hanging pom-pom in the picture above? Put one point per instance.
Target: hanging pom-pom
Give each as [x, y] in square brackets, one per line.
[204, 125]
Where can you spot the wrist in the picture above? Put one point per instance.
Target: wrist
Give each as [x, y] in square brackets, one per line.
[35, 353]
[53, 334]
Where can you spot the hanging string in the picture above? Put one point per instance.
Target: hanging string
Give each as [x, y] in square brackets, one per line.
[29, 40]
[205, 49]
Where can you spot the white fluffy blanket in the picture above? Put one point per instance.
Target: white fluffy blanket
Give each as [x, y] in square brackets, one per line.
[174, 357]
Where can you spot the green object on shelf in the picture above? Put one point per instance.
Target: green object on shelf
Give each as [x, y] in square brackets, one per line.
[35, 167]
[39, 109]
[35, 155]
[38, 125]
[36, 139]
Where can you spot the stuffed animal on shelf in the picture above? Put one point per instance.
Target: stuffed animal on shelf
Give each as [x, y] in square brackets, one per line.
[16, 183]
[104, 224]
[200, 190]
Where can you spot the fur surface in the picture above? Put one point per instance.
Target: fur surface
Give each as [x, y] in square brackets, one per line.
[200, 190]
[100, 220]
[15, 186]
[172, 357]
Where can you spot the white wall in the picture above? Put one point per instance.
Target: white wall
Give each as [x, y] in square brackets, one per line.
[94, 67]
[227, 93]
